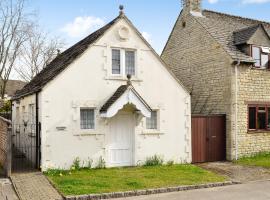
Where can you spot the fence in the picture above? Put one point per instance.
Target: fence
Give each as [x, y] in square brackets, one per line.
[5, 145]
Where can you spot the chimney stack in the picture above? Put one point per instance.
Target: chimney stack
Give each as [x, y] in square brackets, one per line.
[193, 6]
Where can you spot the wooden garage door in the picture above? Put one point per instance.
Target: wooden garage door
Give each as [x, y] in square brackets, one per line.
[208, 138]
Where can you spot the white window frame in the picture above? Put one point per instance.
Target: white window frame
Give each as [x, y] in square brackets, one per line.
[123, 62]
[95, 119]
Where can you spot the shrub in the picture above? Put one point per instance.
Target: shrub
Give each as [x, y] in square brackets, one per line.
[170, 163]
[153, 161]
[89, 163]
[101, 164]
[76, 164]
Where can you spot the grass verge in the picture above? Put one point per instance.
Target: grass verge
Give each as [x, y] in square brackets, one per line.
[259, 160]
[95, 181]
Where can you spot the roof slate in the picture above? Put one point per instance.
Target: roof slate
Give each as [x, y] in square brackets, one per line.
[222, 27]
[62, 61]
[243, 35]
[118, 93]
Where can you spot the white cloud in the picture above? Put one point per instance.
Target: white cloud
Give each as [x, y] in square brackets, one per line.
[147, 36]
[213, 1]
[254, 1]
[82, 26]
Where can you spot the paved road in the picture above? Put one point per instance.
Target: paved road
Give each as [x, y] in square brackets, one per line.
[249, 191]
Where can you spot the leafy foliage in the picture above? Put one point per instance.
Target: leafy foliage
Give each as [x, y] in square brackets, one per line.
[101, 164]
[153, 161]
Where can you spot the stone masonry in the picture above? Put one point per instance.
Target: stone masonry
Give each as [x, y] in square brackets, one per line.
[200, 64]
[204, 66]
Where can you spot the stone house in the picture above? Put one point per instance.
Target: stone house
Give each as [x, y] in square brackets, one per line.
[109, 98]
[224, 60]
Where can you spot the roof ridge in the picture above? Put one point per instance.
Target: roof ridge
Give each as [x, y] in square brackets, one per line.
[237, 16]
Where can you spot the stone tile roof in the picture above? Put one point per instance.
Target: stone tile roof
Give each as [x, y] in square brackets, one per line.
[118, 93]
[62, 61]
[13, 85]
[222, 27]
[243, 35]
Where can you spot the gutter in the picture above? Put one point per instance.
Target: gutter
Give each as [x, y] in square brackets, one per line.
[236, 110]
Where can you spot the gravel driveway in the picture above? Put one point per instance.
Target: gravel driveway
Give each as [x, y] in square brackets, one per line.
[238, 172]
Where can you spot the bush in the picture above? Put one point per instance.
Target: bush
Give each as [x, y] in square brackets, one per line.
[170, 163]
[101, 164]
[153, 161]
[76, 164]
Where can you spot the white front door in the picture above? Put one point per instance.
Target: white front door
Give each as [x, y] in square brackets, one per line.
[121, 139]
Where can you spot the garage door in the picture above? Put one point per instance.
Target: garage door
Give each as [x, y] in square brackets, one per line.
[208, 138]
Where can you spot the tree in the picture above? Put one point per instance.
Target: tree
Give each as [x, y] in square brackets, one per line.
[37, 52]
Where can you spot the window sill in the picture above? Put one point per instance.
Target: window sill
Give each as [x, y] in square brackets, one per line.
[122, 78]
[260, 68]
[258, 131]
[151, 132]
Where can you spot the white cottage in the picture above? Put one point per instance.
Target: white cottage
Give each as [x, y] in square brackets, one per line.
[88, 107]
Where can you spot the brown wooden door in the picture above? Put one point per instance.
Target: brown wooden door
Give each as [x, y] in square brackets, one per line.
[199, 133]
[208, 138]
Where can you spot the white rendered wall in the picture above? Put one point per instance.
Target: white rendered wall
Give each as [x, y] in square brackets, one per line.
[87, 83]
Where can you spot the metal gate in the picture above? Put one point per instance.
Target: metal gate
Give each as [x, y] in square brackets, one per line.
[25, 145]
[208, 138]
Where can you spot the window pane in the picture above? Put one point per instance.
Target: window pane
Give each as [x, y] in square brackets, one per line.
[252, 118]
[130, 62]
[115, 61]
[261, 118]
[256, 54]
[151, 123]
[265, 60]
[87, 118]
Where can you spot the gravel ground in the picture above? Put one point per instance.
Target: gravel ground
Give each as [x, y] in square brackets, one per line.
[238, 172]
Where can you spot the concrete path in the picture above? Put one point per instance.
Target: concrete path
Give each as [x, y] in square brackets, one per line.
[6, 190]
[249, 191]
[236, 172]
[34, 186]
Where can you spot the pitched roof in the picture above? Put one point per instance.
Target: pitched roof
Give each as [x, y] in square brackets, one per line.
[118, 93]
[62, 61]
[13, 85]
[222, 27]
[243, 35]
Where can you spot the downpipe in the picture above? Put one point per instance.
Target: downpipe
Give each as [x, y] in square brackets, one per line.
[236, 110]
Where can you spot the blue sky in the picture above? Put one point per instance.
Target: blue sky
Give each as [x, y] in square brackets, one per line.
[74, 19]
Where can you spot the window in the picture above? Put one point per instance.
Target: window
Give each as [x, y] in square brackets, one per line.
[259, 117]
[123, 62]
[31, 113]
[261, 56]
[151, 123]
[116, 66]
[256, 54]
[87, 118]
[130, 62]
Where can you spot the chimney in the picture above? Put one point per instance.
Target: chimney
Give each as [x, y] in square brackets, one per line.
[193, 6]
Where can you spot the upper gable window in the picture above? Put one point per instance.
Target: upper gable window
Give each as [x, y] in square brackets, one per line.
[123, 62]
[116, 65]
[262, 57]
[130, 62]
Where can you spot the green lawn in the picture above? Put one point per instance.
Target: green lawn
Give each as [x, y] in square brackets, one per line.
[88, 181]
[261, 160]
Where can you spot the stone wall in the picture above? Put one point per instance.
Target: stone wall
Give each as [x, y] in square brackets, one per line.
[4, 144]
[253, 87]
[204, 67]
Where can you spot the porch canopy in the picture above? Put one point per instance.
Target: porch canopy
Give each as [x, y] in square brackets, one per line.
[125, 94]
